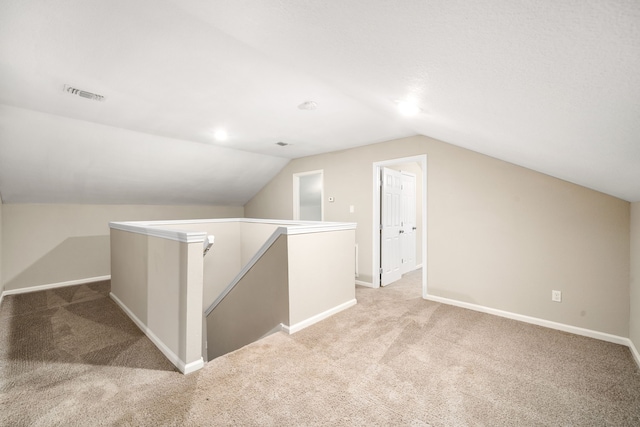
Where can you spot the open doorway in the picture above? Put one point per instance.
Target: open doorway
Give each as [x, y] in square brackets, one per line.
[308, 191]
[391, 205]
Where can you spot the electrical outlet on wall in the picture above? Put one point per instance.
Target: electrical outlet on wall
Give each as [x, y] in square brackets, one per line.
[556, 296]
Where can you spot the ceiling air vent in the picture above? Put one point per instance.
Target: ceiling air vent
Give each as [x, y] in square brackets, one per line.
[83, 93]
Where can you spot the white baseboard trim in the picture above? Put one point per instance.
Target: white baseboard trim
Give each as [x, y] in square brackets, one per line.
[534, 320]
[185, 368]
[366, 284]
[634, 352]
[318, 317]
[191, 367]
[55, 285]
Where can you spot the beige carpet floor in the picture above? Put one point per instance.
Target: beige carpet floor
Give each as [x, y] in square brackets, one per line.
[70, 357]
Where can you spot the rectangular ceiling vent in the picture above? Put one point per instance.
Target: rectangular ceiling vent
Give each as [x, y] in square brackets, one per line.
[83, 93]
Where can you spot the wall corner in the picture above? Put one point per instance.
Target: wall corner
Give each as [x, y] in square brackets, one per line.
[634, 279]
[1, 244]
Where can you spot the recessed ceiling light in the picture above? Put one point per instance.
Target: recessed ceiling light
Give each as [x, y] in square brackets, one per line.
[220, 135]
[407, 108]
[308, 105]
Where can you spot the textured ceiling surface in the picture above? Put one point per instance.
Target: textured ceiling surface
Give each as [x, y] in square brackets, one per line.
[553, 86]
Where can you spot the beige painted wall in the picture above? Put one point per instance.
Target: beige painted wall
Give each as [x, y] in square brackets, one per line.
[48, 243]
[499, 235]
[166, 263]
[235, 244]
[129, 277]
[634, 319]
[256, 305]
[320, 273]
[223, 261]
[160, 282]
[254, 235]
[191, 291]
[1, 281]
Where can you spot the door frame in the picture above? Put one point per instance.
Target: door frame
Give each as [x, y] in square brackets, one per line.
[377, 174]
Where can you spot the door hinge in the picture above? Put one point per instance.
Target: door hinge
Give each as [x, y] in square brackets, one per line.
[380, 226]
[381, 270]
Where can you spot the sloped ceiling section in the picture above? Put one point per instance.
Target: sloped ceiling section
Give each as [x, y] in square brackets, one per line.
[553, 86]
[52, 159]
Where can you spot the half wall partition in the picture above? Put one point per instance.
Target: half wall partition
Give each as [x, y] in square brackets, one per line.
[260, 276]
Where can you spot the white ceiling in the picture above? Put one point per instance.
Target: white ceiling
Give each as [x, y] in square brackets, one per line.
[549, 85]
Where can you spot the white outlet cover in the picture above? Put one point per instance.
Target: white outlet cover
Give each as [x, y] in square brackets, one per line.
[556, 296]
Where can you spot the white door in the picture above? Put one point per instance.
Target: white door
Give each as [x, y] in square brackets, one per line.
[408, 236]
[390, 218]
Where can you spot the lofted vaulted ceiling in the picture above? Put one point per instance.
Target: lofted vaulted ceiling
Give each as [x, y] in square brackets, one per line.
[550, 85]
